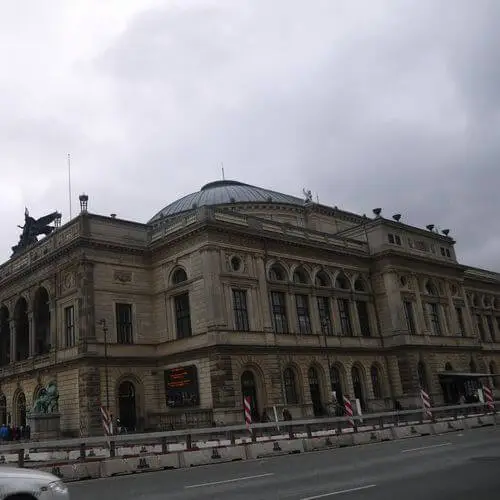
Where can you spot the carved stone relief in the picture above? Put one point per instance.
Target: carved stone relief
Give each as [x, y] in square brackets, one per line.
[122, 276]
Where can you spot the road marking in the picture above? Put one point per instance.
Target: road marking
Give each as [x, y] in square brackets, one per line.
[426, 447]
[340, 492]
[244, 478]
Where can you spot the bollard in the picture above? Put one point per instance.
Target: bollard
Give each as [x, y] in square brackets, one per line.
[309, 431]
[253, 435]
[112, 449]
[189, 442]
[232, 438]
[164, 445]
[290, 432]
[20, 458]
[82, 452]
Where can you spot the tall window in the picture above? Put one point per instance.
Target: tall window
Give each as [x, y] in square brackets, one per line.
[434, 319]
[325, 317]
[182, 315]
[480, 327]
[460, 321]
[124, 332]
[304, 320]
[278, 308]
[364, 318]
[345, 317]
[290, 383]
[489, 322]
[69, 326]
[240, 311]
[410, 318]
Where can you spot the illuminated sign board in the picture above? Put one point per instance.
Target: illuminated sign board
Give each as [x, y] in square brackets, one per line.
[181, 386]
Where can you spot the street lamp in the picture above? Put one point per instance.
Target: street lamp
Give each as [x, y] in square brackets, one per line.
[105, 334]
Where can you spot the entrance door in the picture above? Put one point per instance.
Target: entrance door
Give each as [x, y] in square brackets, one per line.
[127, 405]
[249, 390]
[315, 390]
[337, 389]
[358, 386]
[21, 410]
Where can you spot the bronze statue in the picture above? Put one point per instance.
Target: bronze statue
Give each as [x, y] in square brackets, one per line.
[33, 228]
[48, 400]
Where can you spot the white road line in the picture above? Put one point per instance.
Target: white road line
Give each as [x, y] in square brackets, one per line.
[427, 447]
[340, 492]
[244, 478]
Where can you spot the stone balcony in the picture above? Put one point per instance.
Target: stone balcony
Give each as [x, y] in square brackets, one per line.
[406, 339]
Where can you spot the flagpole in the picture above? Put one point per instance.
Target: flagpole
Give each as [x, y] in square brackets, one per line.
[69, 188]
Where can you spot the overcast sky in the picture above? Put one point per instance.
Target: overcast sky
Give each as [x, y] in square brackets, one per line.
[366, 103]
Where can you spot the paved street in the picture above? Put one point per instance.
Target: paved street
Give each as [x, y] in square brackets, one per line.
[457, 466]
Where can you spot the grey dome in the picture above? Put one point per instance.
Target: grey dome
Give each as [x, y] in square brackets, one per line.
[225, 193]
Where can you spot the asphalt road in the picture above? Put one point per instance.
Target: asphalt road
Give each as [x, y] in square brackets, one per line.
[457, 466]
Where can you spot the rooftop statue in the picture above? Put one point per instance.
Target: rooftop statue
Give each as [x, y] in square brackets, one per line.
[33, 228]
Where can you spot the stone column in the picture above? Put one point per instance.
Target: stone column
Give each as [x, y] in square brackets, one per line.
[86, 308]
[353, 311]
[291, 313]
[54, 339]
[316, 327]
[31, 329]
[12, 325]
[392, 290]
[336, 323]
[470, 331]
[262, 293]
[419, 310]
[211, 275]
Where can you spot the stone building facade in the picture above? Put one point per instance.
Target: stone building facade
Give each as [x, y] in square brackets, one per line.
[239, 291]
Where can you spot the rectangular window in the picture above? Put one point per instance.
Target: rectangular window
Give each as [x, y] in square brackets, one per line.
[448, 253]
[460, 320]
[304, 320]
[398, 240]
[390, 237]
[410, 317]
[434, 318]
[480, 327]
[124, 333]
[182, 316]
[240, 311]
[364, 318]
[69, 326]
[325, 316]
[443, 252]
[345, 317]
[278, 311]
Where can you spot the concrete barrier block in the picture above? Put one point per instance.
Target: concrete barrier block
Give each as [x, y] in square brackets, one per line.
[87, 470]
[274, 448]
[405, 432]
[476, 422]
[444, 427]
[368, 437]
[169, 460]
[65, 472]
[320, 443]
[344, 440]
[117, 466]
[213, 455]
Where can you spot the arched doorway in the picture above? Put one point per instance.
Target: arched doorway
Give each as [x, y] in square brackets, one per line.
[4, 336]
[127, 408]
[22, 330]
[315, 391]
[338, 396]
[3, 410]
[357, 384]
[422, 377]
[20, 410]
[249, 390]
[41, 317]
[451, 392]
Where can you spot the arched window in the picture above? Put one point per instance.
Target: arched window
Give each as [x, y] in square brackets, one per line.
[127, 406]
[359, 285]
[290, 382]
[315, 391]
[322, 279]
[357, 384]
[337, 389]
[22, 330]
[342, 282]
[376, 383]
[41, 317]
[20, 410]
[179, 276]
[422, 376]
[300, 276]
[3, 410]
[472, 366]
[249, 390]
[4, 336]
[430, 288]
[277, 273]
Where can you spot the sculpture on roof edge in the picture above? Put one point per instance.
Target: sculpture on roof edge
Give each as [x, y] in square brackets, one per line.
[308, 195]
[33, 228]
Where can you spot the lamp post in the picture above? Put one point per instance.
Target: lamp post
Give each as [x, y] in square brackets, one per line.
[106, 372]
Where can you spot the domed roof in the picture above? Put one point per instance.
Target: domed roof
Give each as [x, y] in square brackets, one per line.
[225, 193]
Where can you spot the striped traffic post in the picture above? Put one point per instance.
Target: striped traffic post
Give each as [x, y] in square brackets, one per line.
[426, 403]
[247, 402]
[488, 396]
[348, 410]
[107, 425]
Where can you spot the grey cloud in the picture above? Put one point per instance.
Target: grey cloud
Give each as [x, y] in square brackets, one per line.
[368, 103]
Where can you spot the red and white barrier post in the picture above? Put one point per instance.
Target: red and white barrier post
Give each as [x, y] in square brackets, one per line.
[426, 403]
[247, 402]
[488, 397]
[348, 410]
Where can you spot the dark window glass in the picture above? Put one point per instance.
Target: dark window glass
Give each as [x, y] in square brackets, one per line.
[278, 310]
[325, 316]
[345, 317]
[240, 310]
[69, 326]
[124, 333]
[182, 316]
[304, 320]
[364, 318]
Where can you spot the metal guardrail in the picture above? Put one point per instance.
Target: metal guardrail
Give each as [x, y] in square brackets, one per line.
[285, 427]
